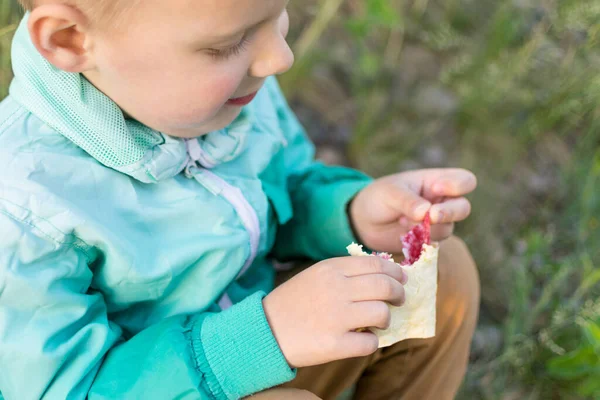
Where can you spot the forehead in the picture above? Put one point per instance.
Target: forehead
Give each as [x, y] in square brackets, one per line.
[218, 17]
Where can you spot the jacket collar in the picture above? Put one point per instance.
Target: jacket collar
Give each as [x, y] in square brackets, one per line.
[73, 107]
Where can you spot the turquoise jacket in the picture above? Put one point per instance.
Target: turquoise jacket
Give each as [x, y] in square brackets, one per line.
[133, 264]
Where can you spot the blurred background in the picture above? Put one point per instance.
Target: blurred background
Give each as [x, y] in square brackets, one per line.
[507, 88]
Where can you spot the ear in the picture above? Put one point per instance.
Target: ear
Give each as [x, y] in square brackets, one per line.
[61, 34]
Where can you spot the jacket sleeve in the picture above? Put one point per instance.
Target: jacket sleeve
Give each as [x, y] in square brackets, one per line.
[320, 194]
[57, 342]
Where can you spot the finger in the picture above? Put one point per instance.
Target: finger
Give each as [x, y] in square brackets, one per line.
[357, 344]
[406, 225]
[454, 183]
[372, 265]
[377, 287]
[441, 232]
[366, 314]
[451, 210]
[405, 201]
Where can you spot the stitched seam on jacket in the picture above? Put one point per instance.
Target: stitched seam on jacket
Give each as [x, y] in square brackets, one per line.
[12, 118]
[77, 243]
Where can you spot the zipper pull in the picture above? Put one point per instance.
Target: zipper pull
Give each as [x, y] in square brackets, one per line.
[188, 169]
[192, 171]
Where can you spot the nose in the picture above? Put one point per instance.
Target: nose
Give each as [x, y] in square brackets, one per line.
[274, 55]
[276, 61]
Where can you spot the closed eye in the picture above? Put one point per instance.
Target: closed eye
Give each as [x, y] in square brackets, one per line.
[235, 50]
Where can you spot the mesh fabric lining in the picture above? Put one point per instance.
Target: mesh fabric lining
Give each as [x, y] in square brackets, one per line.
[70, 104]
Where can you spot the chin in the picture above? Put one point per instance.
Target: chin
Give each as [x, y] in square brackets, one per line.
[223, 120]
[220, 121]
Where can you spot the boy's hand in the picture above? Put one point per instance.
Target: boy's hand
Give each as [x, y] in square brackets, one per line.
[386, 210]
[315, 314]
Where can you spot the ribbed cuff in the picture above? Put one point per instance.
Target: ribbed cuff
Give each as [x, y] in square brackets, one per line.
[237, 353]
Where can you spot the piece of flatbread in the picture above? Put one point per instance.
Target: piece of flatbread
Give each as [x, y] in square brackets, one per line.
[415, 319]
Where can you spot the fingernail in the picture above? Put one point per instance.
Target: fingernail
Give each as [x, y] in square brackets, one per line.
[440, 217]
[422, 209]
[404, 280]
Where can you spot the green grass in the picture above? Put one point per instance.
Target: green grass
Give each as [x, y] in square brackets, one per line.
[523, 83]
[508, 89]
[9, 16]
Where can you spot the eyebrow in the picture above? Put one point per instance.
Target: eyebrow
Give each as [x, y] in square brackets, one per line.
[215, 39]
[222, 37]
[230, 35]
[219, 38]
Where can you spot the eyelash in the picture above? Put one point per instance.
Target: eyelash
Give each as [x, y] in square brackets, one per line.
[231, 51]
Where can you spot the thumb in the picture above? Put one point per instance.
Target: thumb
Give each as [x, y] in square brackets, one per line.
[358, 344]
[406, 202]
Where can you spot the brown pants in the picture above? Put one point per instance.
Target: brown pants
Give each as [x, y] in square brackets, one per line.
[412, 369]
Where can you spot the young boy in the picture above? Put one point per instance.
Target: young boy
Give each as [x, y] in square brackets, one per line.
[150, 170]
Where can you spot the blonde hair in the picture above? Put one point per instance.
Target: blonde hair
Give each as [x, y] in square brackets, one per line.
[96, 10]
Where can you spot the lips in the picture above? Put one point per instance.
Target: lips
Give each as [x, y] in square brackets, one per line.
[241, 101]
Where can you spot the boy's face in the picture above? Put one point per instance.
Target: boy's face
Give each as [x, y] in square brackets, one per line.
[176, 65]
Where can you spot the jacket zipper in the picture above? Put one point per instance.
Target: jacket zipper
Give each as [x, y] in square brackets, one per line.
[235, 197]
[197, 154]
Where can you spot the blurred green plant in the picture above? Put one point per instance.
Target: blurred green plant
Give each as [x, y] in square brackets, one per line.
[525, 80]
[10, 13]
[580, 368]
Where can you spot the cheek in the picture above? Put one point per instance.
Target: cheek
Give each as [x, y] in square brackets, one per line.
[198, 98]
[128, 59]
[163, 88]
